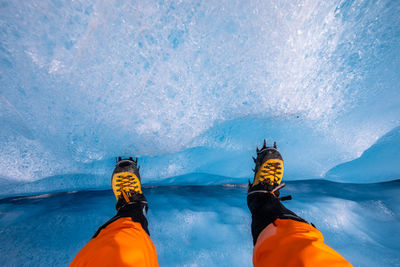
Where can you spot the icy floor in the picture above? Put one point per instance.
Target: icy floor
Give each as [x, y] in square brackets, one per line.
[204, 226]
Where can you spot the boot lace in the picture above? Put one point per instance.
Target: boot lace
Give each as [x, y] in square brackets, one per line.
[271, 172]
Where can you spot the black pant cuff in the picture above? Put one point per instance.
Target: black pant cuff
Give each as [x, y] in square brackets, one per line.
[265, 209]
[135, 211]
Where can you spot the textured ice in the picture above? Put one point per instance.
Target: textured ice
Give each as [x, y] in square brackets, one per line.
[191, 87]
[186, 84]
[204, 226]
[380, 160]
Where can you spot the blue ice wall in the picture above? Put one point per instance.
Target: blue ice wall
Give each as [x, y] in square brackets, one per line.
[380, 160]
[193, 87]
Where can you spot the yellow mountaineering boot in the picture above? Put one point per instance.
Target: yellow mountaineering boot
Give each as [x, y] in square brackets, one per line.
[127, 189]
[126, 184]
[268, 171]
[269, 166]
[263, 194]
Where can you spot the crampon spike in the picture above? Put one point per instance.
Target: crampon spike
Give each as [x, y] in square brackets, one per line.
[285, 198]
[265, 143]
[257, 149]
[119, 158]
[254, 159]
[275, 145]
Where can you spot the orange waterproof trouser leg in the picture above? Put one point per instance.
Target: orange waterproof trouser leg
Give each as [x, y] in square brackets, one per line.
[288, 242]
[282, 238]
[121, 243]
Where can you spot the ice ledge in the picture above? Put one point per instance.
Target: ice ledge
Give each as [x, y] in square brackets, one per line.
[378, 163]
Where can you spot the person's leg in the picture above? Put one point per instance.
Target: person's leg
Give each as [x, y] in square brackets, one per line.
[282, 238]
[125, 239]
[135, 211]
[265, 208]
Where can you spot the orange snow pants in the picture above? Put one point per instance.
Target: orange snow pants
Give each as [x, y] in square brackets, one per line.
[281, 238]
[288, 242]
[284, 242]
[121, 243]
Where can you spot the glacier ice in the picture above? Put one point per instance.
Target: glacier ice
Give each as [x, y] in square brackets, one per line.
[204, 225]
[380, 160]
[174, 82]
[191, 87]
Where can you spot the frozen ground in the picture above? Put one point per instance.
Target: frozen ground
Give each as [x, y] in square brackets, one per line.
[204, 225]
